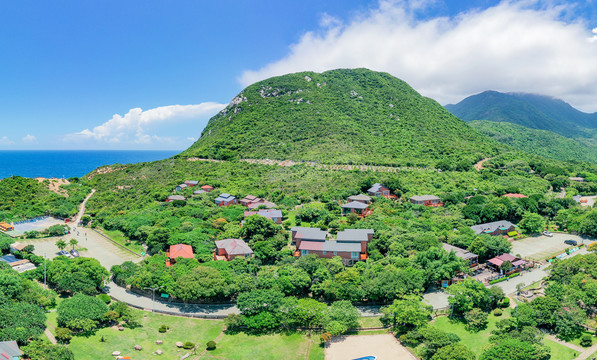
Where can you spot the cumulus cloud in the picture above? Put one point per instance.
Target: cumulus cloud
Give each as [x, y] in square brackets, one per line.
[134, 127]
[29, 138]
[5, 140]
[515, 46]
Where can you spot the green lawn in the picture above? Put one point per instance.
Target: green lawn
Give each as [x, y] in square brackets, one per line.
[560, 352]
[181, 329]
[577, 340]
[118, 236]
[230, 346]
[370, 321]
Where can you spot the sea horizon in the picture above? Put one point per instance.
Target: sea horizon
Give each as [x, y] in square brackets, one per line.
[71, 163]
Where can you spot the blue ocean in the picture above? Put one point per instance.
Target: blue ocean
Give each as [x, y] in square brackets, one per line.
[70, 163]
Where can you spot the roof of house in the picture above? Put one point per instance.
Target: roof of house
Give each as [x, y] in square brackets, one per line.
[575, 178]
[268, 213]
[267, 204]
[518, 196]
[234, 246]
[311, 245]
[360, 197]
[176, 197]
[11, 348]
[197, 192]
[355, 205]
[461, 253]
[251, 198]
[18, 246]
[500, 259]
[9, 259]
[207, 187]
[424, 197]
[183, 186]
[492, 226]
[225, 197]
[376, 187]
[192, 182]
[341, 246]
[181, 250]
[354, 235]
[577, 198]
[308, 233]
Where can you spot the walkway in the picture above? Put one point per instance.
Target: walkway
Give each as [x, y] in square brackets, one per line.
[587, 352]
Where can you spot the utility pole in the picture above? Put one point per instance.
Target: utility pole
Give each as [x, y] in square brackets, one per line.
[153, 289]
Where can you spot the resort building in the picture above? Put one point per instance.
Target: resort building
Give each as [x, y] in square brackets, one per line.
[250, 199]
[9, 350]
[427, 200]
[191, 183]
[179, 250]
[355, 207]
[378, 190]
[225, 200]
[175, 197]
[228, 249]
[207, 188]
[4, 226]
[495, 228]
[272, 214]
[350, 245]
[472, 259]
[360, 198]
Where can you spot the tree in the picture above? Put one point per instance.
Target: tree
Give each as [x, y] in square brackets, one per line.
[466, 295]
[476, 319]
[407, 314]
[43, 350]
[73, 242]
[259, 225]
[514, 349]
[61, 244]
[57, 230]
[345, 313]
[454, 352]
[309, 313]
[202, 282]
[20, 322]
[81, 312]
[532, 223]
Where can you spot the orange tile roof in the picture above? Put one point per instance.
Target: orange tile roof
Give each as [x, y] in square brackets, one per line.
[181, 250]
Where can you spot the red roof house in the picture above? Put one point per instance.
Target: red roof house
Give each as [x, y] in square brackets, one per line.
[207, 188]
[518, 196]
[179, 250]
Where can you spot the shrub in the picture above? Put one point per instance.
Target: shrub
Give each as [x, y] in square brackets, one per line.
[63, 334]
[211, 345]
[497, 312]
[586, 340]
[105, 298]
[504, 303]
[163, 328]
[188, 345]
[476, 320]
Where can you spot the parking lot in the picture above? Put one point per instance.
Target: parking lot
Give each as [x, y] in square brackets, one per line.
[541, 247]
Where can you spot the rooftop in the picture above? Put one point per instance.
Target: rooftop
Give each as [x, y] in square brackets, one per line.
[308, 233]
[492, 226]
[354, 235]
[355, 205]
[424, 197]
[234, 246]
[461, 253]
[360, 197]
[375, 188]
[181, 250]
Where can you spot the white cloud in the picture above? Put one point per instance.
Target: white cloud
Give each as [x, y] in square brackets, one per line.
[191, 139]
[518, 45]
[135, 125]
[29, 138]
[6, 141]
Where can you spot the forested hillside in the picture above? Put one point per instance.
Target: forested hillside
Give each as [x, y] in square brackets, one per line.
[340, 116]
[540, 142]
[529, 110]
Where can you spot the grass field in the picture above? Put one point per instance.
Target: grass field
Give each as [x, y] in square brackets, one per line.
[370, 321]
[199, 331]
[119, 237]
[560, 352]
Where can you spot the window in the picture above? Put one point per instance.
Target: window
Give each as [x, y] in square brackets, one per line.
[304, 252]
[323, 252]
[354, 255]
[335, 253]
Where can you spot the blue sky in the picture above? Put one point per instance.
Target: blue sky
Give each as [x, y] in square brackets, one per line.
[149, 74]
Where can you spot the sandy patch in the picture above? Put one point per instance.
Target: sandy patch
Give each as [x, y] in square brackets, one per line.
[385, 347]
[54, 185]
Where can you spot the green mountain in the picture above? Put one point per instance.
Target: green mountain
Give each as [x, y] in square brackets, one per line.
[340, 116]
[529, 110]
[541, 142]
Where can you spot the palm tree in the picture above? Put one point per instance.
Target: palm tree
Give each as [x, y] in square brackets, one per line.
[73, 242]
[61, 244]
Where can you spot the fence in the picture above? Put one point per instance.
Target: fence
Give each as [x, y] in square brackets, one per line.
[30, 220]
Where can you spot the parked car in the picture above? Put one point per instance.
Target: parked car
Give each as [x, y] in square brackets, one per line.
[570, 242]
[547, 233]
[64, 252]
[74, 253]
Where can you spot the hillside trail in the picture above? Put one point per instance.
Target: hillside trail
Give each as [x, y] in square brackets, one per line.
[82, 207]
[479, 165]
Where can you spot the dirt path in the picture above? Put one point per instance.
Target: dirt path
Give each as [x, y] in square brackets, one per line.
[479, 165]
[82, 207]
[587, 352]
[566, 344]
[335, 166]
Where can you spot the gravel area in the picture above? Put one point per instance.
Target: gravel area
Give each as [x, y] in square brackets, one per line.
[384, 347]
[540, 247]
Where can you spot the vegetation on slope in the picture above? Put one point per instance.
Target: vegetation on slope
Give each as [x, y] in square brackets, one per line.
[541, 142]
[339, 116]
[528, 110]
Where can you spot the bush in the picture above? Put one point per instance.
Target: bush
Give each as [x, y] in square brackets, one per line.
[586, 340]
[163, 328]
[105, 298]
[211, 345]
[504, 303]
[476, 320]
[188, 345]
[497, 312]
[63, 335]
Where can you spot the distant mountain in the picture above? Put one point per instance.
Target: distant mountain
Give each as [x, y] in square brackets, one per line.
[529, 110]
[339, 116]
[541, 142]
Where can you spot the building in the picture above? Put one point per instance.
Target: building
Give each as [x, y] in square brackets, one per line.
[228, 249]
[179, 250]
[191, 183]
[272, 214]
[495, 228]
[181, 186]
[350, 245]
[17, 247]
[20, 265]
[207, 188]
[263, 204]
[9, 350]
[360, 198]
[427, 200]
[378, 190]
[175, 197]
[517, 196]
[225, 200]
[517, 264]
[199, 192]
[472, 259]
[577, 179]
[355, 207]
[4, 226]
[250, 199]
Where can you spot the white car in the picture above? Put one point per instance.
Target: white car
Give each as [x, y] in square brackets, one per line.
[547, 233]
